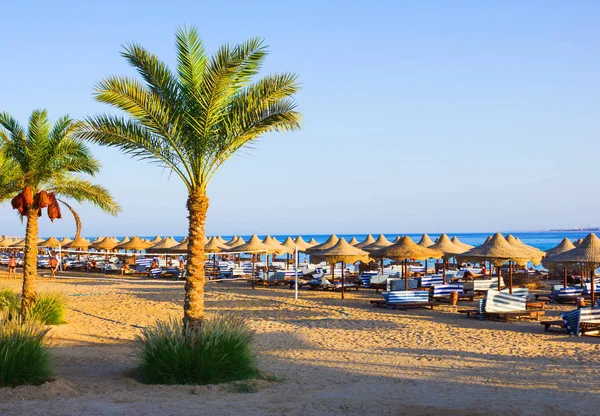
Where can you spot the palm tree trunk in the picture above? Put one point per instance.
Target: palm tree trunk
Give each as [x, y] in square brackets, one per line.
[30, 261]
[193, 307]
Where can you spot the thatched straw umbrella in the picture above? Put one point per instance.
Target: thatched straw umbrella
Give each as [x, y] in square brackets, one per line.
[97, 240]
[331, 241]
[180, 248]
[51, 243]
[381, 242]
[446, 246]
[313, 242]
[577, 242]
[156, 240]
[161, 246]
[79, 244]
[535, 253]
[498, 251]
[214, 246]
[365, 242]
[134, 244]
[341, 252]
[301, 244]
[18, 244]
[588, 253]
[425, 241]
[353, 241]
[254, 246]
[230, 242]
[564, 246]
[125, 240]
[277, 247]
[291, 246]
[6, 242]
[65, 241]
[403, 250]
[459, 243]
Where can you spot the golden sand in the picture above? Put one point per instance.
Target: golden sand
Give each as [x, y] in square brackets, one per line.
[332, 356]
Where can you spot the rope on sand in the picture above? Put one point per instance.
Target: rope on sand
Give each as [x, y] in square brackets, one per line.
[106, 319]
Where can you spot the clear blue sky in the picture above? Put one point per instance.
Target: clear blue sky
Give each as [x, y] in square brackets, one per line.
[418, 116]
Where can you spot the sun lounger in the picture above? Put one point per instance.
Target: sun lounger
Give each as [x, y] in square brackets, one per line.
[582, 320]
[566, 294]
[433, 279]
[175, 272]
[405, 299]
[157, 272]
[395, 284]
[519, 291]
[441, 292]
[365, 278]
[502, 306]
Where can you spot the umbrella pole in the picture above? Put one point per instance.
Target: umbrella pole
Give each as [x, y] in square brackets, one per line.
[214, 266]
[510, 276]
[426, 267]
[253, 282]
[381, 261]
[592, 287]
[444, 273]
[565, 276]
[582, 279]
[498, 269]
[343, 282]
[287, 265]
[405, 275]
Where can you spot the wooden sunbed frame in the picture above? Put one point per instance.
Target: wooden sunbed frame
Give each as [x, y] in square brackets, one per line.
[505, 316]
[382, 304]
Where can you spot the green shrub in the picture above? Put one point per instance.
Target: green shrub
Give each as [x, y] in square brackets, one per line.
[221, 351]
[24, 356]
[48, 309]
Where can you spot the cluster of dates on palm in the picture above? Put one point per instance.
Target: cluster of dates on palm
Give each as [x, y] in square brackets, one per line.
[27, 201]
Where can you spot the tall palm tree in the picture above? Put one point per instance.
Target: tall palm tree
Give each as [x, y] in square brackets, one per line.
[192, 120]
[47, 161]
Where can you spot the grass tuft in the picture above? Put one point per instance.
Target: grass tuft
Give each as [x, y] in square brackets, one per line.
[221, 351]
[24, 356]
[48, 309]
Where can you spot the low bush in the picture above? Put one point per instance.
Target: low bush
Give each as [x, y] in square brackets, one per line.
[24, 355]
[48, 309]
[221, 351]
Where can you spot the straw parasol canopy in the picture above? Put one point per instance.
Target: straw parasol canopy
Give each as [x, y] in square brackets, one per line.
[232, 241]
[497, 250]
[238, 242]
[446, 246]
[65, 241]
[577, 242]
[535, 254]
[301, 244]
[254, 245]
[97, 240]
[18, 244]
[51, 242]
[221, 240]
[459, 243]
[162, 246]
[7, 242]
[331, 241]
[125, 240]
[276, 245]
[214, 246]
[290, 245]
[78, 243]
[313, 242]
[105, 244]
[587, 252]
[381, 242]
[425, 241]
[405, 249]
[156, 239]
[365, 242]
[564, 245]
[353, 241]
[181, 247]
[340, 252]
[135, 243]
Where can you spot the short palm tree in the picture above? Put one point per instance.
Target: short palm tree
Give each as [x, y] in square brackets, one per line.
[192, 121]
[46, 162]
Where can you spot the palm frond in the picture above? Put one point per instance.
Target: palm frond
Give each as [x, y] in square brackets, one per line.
[82, 190]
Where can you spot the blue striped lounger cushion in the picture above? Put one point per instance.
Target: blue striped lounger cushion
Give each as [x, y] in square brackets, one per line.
[499, 302]
[442, 291]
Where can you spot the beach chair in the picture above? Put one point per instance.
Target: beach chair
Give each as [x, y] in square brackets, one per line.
[155, 273]
[405, 299]
[365, 278]
[441, 292]
[582, 320]
[175, 272]
[502, 306]
[395, 284]
[566, 294]
[432, 279]
[482, 285]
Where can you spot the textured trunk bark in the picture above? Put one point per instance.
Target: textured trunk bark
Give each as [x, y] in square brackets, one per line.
[30, 262]
[193, 307]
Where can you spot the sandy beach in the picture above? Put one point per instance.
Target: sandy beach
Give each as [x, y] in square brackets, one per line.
[329, 357]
